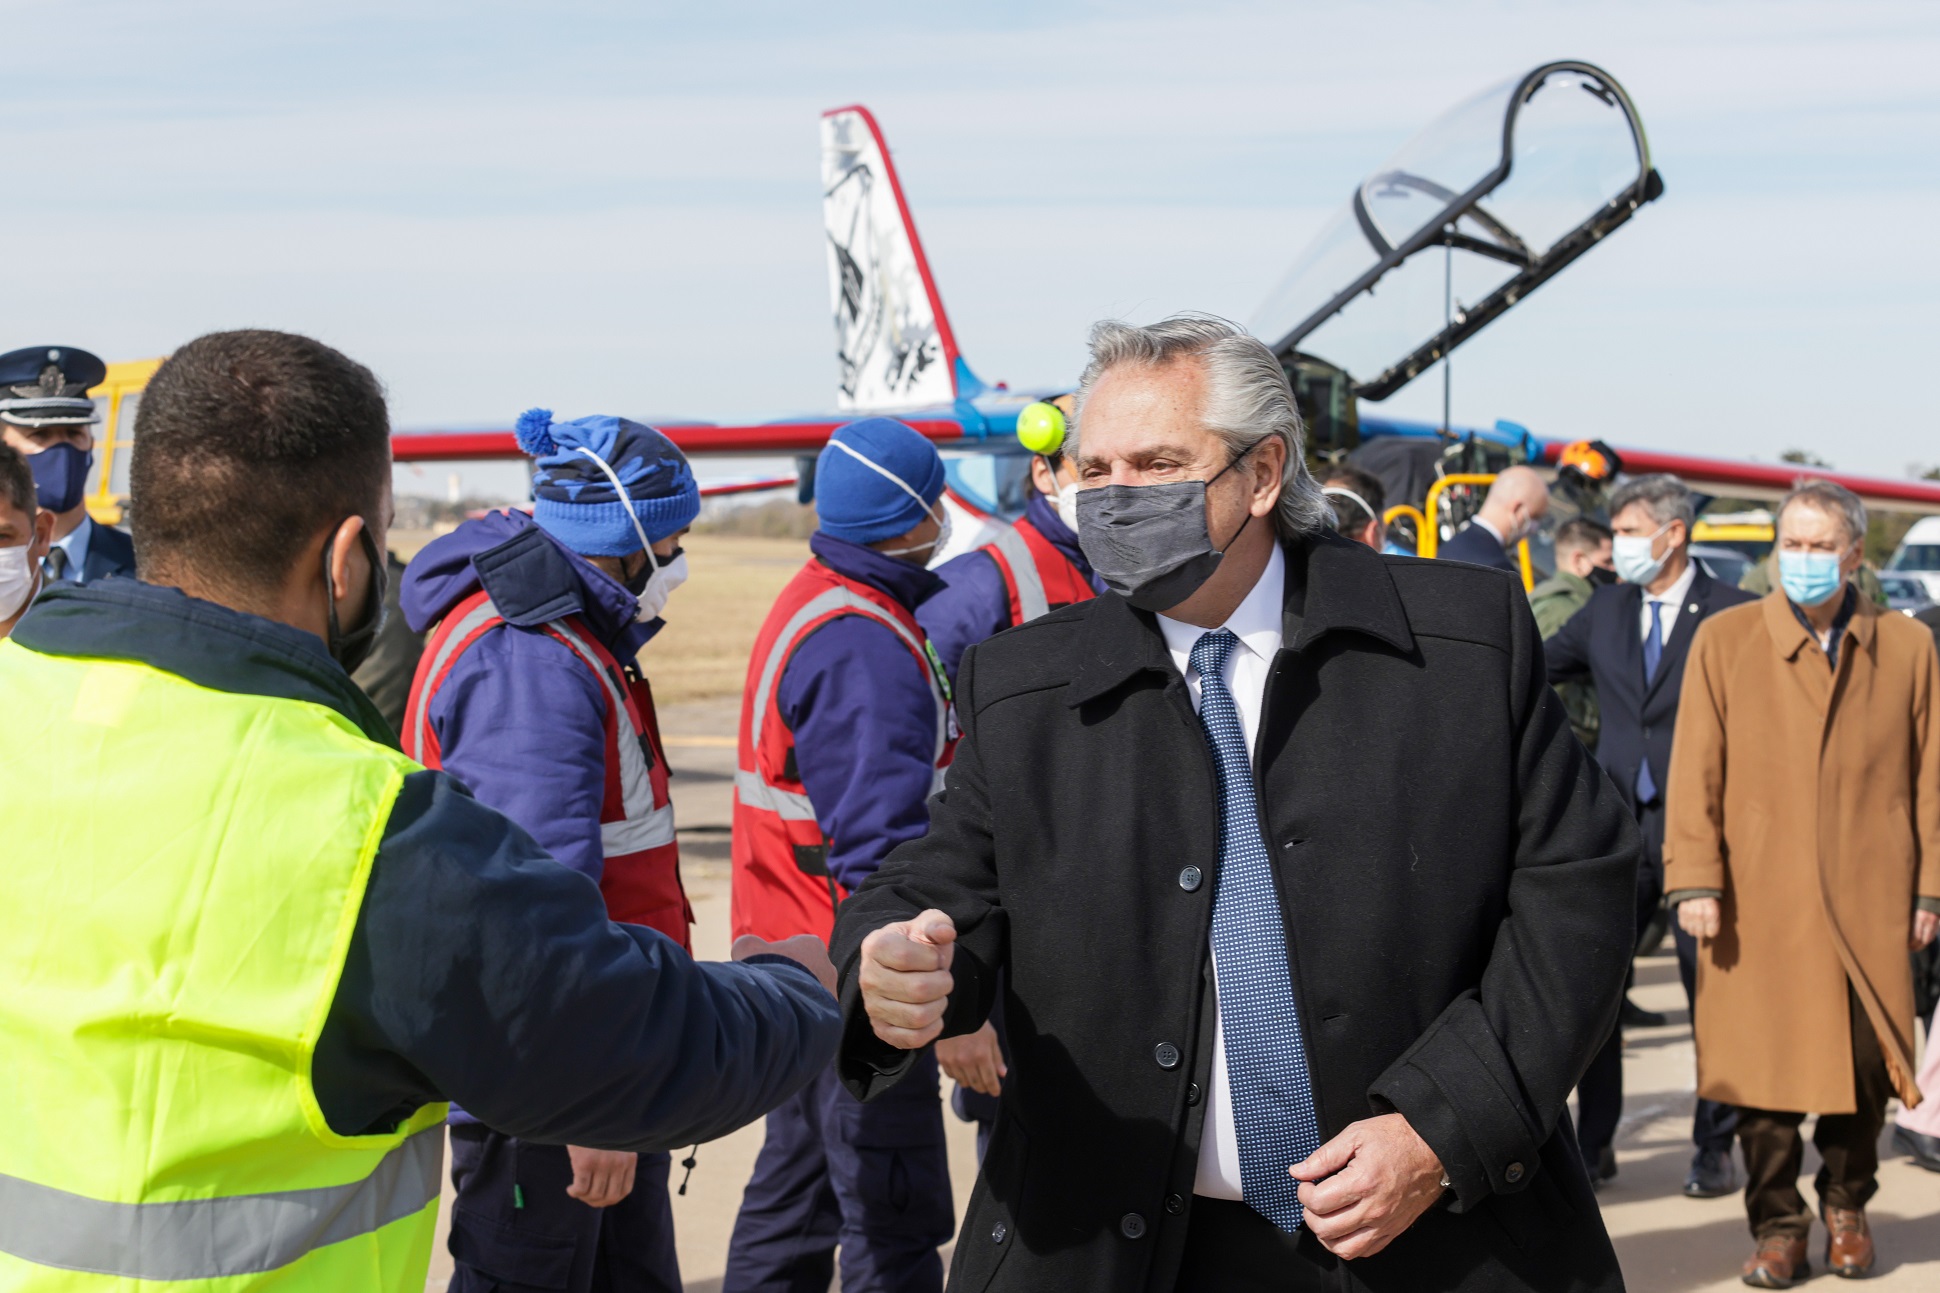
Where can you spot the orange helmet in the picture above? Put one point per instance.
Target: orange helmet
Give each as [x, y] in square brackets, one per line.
[1592, 459]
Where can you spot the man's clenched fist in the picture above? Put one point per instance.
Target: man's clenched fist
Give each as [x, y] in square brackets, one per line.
[905, 978]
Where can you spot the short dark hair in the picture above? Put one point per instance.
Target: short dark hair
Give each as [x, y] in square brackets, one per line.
[247, 444]
[17, 480]
[1582, 534]
[1349, 516]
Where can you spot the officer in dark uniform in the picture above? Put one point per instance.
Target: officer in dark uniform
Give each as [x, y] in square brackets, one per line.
[45, 414]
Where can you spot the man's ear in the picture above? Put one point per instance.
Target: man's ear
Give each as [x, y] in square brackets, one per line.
[346, 554]
[1270, 471]
[43, 540]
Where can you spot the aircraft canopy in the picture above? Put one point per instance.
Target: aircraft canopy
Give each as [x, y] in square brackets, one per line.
[1468, 217]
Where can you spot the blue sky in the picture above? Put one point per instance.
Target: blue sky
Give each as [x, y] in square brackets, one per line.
[614, 207]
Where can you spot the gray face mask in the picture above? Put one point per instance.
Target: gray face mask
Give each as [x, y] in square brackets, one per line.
[1149, 543]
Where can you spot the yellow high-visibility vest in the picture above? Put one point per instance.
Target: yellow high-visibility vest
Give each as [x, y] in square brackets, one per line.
[182, 869]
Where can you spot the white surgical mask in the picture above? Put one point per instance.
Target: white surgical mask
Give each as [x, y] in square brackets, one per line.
[1630, 554]
[19, 578]
[1068, 506]
[941, 514]
[661, 583]
[660, 586]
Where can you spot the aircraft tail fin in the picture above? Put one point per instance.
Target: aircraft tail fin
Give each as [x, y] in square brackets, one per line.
[892, 338]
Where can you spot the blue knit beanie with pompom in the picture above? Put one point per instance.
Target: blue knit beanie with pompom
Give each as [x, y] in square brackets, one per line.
[575, 502]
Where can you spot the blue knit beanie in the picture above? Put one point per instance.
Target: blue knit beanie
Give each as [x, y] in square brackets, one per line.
[575, 502]
[854, 501]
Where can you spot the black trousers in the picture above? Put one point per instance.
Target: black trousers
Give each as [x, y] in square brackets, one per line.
[513, 1227]
[1847, 1142]
[1599, 1096]
[1232, 1249]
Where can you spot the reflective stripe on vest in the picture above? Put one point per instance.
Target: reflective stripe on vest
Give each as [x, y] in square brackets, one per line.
[643, 826]
[791, 805]
[208, 1239]
[169, 962]
[1029, 584]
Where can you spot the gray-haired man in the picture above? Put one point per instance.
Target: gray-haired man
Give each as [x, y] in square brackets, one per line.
[1275, 1010]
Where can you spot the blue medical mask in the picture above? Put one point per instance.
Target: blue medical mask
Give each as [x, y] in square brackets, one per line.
[1630, 554]
[60, 476]
[1809, 577]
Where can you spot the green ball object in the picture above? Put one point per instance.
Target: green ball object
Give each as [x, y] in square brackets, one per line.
[1040, 428]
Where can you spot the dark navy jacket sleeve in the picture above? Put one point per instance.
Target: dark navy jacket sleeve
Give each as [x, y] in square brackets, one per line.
[864, 721]
[1566, 654]
[973, 606]
[481, 971]
[521, 721]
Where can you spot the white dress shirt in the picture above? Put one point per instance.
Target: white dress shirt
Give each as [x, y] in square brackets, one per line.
[1256, 623]
[1672, 599]
[75, 545]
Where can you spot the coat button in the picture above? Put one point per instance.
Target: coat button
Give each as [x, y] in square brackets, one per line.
[1513, 1173]
[1174, 1205]
[1192, 1094]
[1167, 1055]
[1132, 1226]
[999, 1233]
[1189, 879]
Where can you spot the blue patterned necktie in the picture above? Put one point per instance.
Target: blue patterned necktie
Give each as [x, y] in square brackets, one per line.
[1653, 653]
[1266, 1060]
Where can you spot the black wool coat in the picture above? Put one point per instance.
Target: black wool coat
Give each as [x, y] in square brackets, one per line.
[1457, 881]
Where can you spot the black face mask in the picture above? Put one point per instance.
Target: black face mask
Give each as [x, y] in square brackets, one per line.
[352, 648]
[1149, 543]
[1602, 575]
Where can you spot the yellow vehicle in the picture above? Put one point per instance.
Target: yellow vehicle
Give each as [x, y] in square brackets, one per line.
[114, 437]
[1747, 533]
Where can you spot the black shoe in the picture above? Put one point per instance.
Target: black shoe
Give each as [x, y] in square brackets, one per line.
[1713, 1175]
[1635, 1016]
[1603, 1166]
[1923, 1150]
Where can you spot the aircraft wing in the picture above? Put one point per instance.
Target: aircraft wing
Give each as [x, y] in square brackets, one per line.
[1722, 476]
[691, 437]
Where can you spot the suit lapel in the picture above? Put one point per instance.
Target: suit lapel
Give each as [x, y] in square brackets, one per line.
[1630, 638]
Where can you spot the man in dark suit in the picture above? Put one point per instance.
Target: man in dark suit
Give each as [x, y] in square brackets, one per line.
[46, 416]
[1631, 641]
[1411, 972]
[1516, 504]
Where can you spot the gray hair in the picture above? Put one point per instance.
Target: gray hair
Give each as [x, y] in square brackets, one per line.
[1834, 500]
[1248, 399]
[1663, 495]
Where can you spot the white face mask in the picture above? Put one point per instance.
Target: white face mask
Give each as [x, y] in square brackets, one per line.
[940, 513]
[1068, 506]
[19, 580]
[662, 582]
[660, 586]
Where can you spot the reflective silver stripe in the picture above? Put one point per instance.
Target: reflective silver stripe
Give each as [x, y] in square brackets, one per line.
[835, 599]
[1023, 570]
[473, 620]
[207, 1239]
[644, 826]
[785, 804]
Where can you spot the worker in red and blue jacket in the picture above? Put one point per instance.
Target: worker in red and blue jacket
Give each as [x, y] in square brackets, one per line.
[530, 692]
[846, 728]
[1033, 567]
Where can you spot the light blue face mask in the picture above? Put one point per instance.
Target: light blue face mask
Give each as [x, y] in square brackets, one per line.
[1809, 577]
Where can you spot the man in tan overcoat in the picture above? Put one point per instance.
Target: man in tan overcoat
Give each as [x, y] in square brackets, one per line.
[1803, 847]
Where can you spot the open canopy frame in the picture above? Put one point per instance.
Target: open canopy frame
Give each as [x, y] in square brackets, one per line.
[1512, 186]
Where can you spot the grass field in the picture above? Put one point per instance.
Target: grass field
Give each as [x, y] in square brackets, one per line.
[713, 617]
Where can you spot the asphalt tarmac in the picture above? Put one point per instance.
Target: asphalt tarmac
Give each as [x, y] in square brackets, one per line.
[1667, 1243]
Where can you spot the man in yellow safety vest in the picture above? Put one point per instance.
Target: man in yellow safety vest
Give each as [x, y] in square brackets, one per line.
[250, 949]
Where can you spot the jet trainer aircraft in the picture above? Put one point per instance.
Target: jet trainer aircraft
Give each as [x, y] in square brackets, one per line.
[1462, 224]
